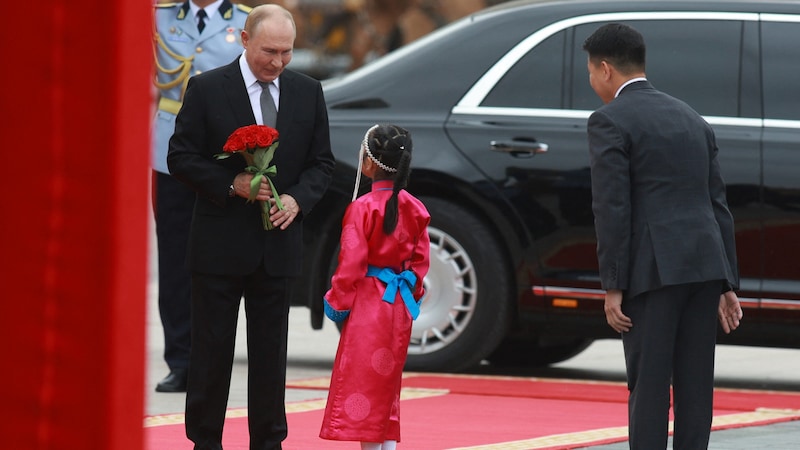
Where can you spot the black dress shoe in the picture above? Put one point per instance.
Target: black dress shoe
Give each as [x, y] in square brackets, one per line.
[174, 382]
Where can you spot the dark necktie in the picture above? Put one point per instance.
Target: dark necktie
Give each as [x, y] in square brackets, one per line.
[201, 20]
[268, 111]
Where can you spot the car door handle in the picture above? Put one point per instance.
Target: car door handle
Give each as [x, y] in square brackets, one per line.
[519, 147]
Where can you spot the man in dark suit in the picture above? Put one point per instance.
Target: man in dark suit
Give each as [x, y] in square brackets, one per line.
[230, 254]
[665, 241]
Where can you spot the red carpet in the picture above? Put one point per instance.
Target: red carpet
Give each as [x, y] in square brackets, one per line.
[595, 391]
[481, 412]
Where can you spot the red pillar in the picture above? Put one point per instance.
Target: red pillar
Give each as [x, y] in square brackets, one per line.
[73, 222]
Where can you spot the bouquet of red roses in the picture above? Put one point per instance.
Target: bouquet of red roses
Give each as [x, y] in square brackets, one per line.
[257, 144]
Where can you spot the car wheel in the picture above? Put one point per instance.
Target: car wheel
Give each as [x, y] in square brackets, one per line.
[465, 313]
[534, 352]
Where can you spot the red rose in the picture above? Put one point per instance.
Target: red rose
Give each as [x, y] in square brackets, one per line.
[250, 138]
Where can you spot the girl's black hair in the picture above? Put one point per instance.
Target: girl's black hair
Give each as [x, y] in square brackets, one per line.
[391, 145]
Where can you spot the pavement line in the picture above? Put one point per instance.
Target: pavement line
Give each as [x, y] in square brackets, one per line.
[310, 383]
[583, 437]
[291, 407]
[512, 378]
[767, 415]
[618, 434]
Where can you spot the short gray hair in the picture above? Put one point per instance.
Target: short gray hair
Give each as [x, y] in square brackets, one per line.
[264, 12]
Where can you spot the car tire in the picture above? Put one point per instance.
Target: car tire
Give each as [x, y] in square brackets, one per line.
[466, 311]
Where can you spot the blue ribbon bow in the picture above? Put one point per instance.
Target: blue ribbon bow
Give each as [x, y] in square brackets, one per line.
[402, 282]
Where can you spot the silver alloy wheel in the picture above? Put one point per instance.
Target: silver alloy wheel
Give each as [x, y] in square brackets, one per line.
[452, 295]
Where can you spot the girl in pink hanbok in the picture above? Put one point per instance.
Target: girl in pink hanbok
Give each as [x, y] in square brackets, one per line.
[376, 292]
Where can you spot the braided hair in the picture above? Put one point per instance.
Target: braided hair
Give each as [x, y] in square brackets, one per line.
[389, 147]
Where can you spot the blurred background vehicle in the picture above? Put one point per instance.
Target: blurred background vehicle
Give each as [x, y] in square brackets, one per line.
[497, 105]
[497, 100]
[337, 36]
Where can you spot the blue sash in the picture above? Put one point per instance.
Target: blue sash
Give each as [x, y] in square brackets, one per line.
[403, 282]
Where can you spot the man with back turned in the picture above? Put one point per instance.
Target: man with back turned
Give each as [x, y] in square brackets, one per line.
[665, 241]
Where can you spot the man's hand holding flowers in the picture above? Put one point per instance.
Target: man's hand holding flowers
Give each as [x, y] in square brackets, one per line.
[281, 218]
[284, 217]
[241, 187]
[257, 144]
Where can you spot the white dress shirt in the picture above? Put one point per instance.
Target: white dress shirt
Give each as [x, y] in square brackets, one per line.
[254, 89]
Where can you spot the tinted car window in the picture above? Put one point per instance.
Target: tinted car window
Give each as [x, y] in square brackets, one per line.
[710, 54]
[781, 54]
[535, 80]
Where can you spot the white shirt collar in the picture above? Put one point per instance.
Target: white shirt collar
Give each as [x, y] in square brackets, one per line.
[210, 9]
[247, 74]
[632, 80]
[250, 80]
[254, 89]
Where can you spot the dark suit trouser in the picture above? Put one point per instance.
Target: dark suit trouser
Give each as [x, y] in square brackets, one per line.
[173, 202]
[215, 309]
[673, 339]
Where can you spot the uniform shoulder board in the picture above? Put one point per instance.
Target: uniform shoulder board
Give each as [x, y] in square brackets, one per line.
[166, 5]
[244, 8]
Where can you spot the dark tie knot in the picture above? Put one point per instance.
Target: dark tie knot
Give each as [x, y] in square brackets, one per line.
[264, 84]
[201, 20]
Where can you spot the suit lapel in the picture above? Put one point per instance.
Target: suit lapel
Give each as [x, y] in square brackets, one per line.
[189, 28]
[186, 22]
[220, 21]
[286, 108]
[236, 93]
[213, 27]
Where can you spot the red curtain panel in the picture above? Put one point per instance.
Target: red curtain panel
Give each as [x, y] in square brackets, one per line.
[74, 142]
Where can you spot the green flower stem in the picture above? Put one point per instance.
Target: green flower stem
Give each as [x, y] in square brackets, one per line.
[275, 194]
[265, 207]
[255, 185]
[258, 161]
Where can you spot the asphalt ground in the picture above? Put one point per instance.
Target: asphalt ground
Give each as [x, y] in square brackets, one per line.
[311, 354]
[779, 436]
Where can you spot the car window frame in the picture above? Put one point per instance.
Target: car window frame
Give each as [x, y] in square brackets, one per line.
[780, 123]
[470, 103]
